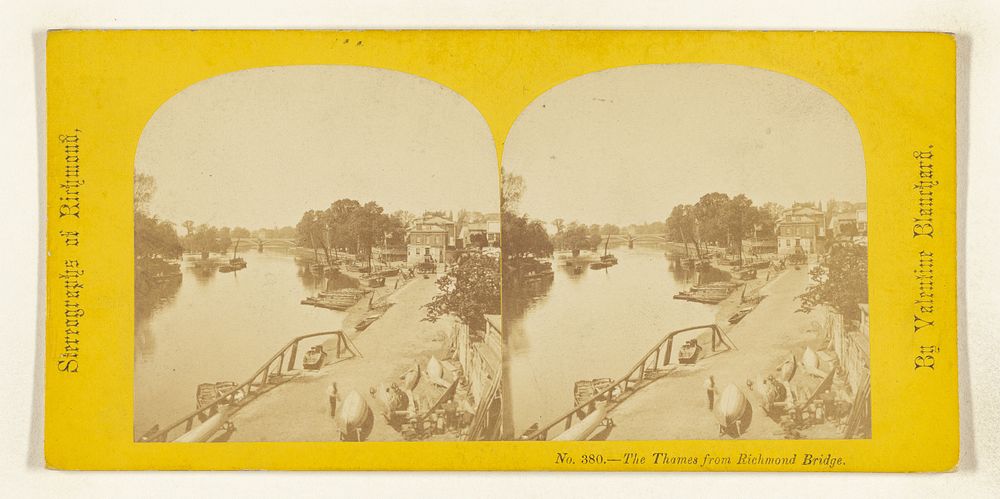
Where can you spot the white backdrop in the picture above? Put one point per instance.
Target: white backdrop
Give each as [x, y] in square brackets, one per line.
[21, 118]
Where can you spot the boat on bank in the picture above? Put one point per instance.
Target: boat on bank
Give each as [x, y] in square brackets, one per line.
[586, 426]
[315, 358]
[373, 280]
[708, 293]
[340, 299]
[206, 430]
[733, 412]
[210, 392]
[356, 418]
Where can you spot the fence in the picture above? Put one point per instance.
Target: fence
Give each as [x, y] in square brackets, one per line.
[272, 372]
[637, 374]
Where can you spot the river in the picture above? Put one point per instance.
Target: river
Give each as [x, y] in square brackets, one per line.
[220, 327]
[596, 324]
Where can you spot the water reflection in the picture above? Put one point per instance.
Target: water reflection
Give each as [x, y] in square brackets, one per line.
[216, 326]
[586, 323]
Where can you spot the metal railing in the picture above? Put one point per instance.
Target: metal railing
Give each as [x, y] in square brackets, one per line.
[636, 375]
[272, 372]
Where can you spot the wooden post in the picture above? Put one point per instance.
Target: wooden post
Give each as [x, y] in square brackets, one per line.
[291, 358]
[666, 355]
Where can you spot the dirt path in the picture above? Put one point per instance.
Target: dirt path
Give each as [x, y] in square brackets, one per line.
[299, 410]
[676, 406]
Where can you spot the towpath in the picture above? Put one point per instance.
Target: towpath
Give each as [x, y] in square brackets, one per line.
[298, 410]
[676, 406]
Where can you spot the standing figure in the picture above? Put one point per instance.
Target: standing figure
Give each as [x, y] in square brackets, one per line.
[332, 393]
[710, 390]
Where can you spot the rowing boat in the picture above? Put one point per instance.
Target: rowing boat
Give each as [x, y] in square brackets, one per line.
[211, 426]
[582, 429]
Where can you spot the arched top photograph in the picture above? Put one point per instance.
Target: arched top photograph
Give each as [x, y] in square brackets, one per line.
[679, 241]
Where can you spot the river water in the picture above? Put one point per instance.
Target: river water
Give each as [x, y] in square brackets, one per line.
[220, 327]
[591, 325]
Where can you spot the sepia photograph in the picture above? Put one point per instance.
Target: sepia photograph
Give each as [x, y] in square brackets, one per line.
[685, 257]
[317, 258]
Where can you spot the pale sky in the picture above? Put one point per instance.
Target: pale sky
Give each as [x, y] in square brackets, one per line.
[257, 148]
[625, 145]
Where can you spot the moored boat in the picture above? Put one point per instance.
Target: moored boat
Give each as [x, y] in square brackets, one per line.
[315, 358]
[739, 315]
[373, 280]
[367, 321]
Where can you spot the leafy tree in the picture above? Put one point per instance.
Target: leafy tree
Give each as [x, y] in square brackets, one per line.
[522, 238]
[683, 227]
[155, 238]
[710, 213]
[469, 291]
[207, 239]
[512, 190]
[144, 186]
[574, 237]
[559, 224]
[479, 240]
[404, 217]
[766, 220]
[739, 217]
[840, 281]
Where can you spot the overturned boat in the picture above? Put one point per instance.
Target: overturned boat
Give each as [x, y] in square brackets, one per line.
[356, 418]
[733, 412]
[586, 426]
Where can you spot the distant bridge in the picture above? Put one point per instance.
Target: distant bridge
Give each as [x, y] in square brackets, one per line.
[638, 238]
[267, 242]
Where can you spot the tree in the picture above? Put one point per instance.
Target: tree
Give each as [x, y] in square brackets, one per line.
[188, 226]
[709, 212]
[207, 239]
[511, 192]
[155, 238]
[840, 281]
[522, 238]
[766, 219]
[683, 227]
[575, 237]
[479, 240]
[469, 291]
[404, 217]
[144, 186]
[559, 224]
[740, 215]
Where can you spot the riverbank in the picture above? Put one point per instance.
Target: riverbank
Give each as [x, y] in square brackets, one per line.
[399, 340]
[675, 406]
